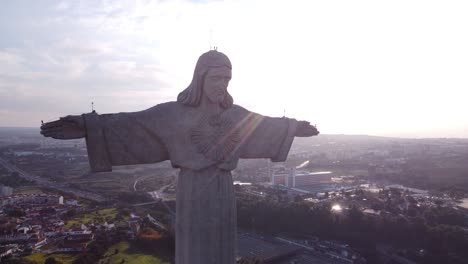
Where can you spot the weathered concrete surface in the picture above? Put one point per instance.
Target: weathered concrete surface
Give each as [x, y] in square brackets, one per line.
[204, 134]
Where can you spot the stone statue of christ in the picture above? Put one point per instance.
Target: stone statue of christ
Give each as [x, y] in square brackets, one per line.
[203, 134]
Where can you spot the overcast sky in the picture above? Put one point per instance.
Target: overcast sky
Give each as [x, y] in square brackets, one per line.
[390, 68]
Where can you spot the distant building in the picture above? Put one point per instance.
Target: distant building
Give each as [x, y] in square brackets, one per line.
[37, 240]
[71, 202]
[7, 250]
[311, 178]
[290, 177]
[5, 190]
[34, 199]
[281, 176]
[76, 241]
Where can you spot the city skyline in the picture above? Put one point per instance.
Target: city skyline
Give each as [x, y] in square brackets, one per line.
[387, 69]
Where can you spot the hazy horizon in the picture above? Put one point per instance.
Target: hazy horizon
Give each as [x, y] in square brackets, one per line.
[394, 69]
[328, 134]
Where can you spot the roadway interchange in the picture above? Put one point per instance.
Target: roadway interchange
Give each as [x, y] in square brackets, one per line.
[42, 182]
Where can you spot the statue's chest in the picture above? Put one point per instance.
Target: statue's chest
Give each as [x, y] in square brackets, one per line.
[216, 137]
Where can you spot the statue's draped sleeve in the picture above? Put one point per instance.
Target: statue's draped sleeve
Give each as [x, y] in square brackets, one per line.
[123, 139]
[266, 137]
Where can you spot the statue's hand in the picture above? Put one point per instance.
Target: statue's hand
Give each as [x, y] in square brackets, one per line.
[69, 127]
[305, 129]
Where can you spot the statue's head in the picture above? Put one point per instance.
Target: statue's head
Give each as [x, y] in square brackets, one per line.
[210, 78]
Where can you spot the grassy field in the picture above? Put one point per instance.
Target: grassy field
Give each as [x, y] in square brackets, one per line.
[87, 218]
[41, 257]
[123, 248]
[130, 258]
[31, 190]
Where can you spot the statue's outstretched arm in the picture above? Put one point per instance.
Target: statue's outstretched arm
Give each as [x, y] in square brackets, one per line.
[124, 139]
[305, 129]
[271, 137]
[69, 127]
[114, 139]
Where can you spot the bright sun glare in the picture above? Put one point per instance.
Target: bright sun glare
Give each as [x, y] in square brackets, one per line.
[336, 208]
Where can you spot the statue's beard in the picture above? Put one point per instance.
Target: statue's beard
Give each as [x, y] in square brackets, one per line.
[217, 97]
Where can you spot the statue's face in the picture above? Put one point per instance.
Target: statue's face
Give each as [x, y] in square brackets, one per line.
[216, 84]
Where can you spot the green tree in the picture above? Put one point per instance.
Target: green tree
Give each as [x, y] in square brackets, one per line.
[52, 260]
[16, 213]
[249, 261]
[16, 261]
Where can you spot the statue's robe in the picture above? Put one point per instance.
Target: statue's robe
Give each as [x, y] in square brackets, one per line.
[206, 148]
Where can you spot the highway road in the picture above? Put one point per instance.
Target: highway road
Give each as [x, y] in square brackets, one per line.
[50, 184]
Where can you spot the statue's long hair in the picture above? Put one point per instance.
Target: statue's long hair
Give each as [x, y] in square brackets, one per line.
[192, 95]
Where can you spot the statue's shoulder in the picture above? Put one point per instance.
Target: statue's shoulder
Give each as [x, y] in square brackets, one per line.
[170, 110]
[237, 109]
[239, 112]
[165, 107]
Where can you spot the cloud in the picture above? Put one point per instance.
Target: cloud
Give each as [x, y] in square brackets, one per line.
[351, 67]
[64, 70]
